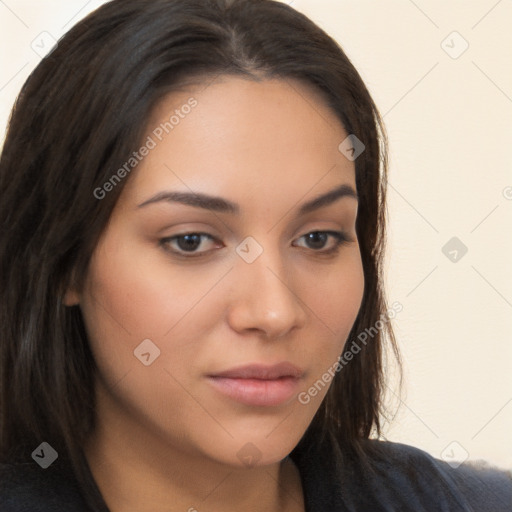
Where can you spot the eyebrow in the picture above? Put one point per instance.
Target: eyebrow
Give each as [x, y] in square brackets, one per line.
[218, 204]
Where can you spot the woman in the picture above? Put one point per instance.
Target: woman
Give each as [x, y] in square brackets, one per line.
[193, 221]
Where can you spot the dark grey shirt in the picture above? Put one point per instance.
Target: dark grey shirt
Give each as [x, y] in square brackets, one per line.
[397, 478]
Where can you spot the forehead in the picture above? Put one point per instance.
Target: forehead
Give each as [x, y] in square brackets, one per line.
[243, 138]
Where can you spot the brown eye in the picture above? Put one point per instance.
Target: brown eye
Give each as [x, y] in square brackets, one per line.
[316, 240]
[189, 243]
[319, 240]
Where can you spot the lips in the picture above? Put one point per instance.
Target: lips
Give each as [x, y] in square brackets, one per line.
[260, 371]
[258, 385]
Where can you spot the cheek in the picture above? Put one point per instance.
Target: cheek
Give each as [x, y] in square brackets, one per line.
[124, 307]
[337, 302]
[333, 299]
[139, 291]
[134, 294]
[334, 294]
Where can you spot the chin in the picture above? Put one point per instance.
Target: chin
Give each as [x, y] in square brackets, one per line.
[254, 449]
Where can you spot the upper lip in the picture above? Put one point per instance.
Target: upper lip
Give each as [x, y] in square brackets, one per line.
[261, 371]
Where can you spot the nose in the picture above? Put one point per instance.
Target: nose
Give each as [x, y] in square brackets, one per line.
[264, 300]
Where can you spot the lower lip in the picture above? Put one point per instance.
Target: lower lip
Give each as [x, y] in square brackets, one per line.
[257, 392]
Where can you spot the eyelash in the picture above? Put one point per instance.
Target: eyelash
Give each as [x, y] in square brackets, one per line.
[341, 238]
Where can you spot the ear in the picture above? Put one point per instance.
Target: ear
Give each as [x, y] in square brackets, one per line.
[71, 298]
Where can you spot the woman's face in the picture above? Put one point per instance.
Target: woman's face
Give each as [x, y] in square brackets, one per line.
[209, 273]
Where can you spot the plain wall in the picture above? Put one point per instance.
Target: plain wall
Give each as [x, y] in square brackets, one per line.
[448, 114]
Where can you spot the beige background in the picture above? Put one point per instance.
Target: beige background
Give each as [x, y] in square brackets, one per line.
[450, 127]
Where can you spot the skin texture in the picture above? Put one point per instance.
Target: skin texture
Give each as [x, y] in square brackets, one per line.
[166, 439]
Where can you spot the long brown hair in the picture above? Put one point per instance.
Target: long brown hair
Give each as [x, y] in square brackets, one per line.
[80, 114]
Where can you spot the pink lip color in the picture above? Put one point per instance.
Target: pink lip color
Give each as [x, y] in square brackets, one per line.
[258, 385]
[257, 391]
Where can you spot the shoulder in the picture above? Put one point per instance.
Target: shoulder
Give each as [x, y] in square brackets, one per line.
[386, 476]
[26, 487]
[399, 468]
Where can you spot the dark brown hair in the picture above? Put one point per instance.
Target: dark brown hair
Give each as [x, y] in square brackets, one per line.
[80, 114]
